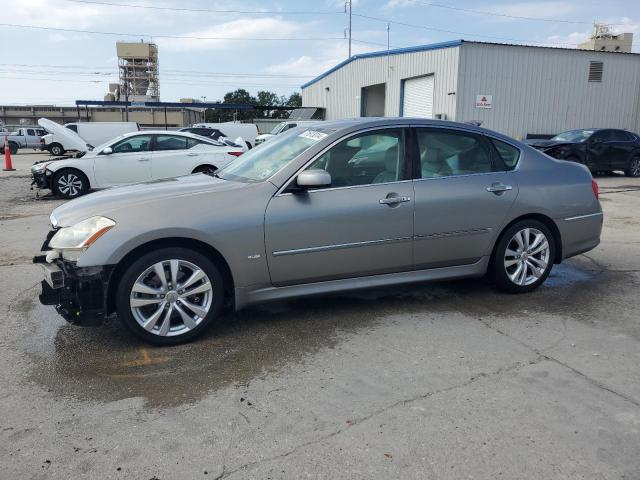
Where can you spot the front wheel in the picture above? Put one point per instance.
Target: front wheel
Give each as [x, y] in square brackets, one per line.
[523, 257]
[170, 296]
[69, 183]
[634, 168]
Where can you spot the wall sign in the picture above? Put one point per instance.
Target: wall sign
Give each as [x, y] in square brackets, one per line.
[484, 101]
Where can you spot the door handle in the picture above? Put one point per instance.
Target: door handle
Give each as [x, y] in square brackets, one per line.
[393, 200]
[192, 154]
[499, 188]
[144, 159]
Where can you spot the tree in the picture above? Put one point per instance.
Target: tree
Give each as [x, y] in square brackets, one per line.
[263, 98]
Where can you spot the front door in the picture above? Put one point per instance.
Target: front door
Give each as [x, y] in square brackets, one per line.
[129, 162]
[462, 197]
[361, 225]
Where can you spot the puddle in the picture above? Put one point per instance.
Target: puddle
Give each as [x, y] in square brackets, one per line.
[106, 363]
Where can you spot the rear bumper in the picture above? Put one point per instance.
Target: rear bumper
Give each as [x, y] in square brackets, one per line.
[580, 234]
[79, 295]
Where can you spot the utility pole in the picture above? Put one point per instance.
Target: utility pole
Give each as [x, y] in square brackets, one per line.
[348, 4]
[388, 56]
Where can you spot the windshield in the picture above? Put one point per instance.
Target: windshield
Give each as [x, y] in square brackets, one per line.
[278, 128]
[573, 136]
[270, 157]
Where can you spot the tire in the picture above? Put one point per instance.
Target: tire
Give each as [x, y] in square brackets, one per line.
[506, 260]
[56, 149]
[141, 278]
[634, 168]
[208, 169]
[69, 183]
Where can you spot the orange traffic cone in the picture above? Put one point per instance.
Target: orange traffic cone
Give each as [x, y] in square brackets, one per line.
[8, 167]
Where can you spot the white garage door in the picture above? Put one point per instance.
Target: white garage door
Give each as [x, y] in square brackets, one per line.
[418, 97]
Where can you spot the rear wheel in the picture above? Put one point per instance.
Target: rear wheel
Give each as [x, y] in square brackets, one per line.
[208, 169]
[634, 168]
[69, 183]
[523, 257]
[170, 296]
[56, 149]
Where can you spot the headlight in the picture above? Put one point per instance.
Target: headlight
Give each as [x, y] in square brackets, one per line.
[39, 168]
[82, 234]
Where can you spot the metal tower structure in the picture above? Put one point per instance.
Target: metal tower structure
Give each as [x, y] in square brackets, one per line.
[138, 72]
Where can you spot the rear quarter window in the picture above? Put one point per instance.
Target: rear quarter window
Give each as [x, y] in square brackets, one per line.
[509, 154]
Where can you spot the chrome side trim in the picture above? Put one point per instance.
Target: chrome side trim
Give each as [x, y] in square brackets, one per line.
[582, 217]
[455, 233]
[339, 246]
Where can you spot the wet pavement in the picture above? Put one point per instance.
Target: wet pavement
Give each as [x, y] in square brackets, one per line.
[443, 380]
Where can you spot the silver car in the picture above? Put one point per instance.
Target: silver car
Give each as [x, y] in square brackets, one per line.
[337, 206]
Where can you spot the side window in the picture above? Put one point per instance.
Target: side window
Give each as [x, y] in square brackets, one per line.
[601, 136]
[192, 142]
[139, 143]
[619, 136]
[509, 154]
[31, 132]
[445, 153]
[73, 128]
[170, 142]
[41, 133]
[369, 158]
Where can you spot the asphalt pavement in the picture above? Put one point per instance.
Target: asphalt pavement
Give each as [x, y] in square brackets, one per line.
[446, 380]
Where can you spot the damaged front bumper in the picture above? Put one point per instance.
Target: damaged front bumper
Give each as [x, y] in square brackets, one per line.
[79, 294]
[42, 179]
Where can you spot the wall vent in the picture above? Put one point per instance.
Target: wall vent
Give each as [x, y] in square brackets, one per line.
[595, 71]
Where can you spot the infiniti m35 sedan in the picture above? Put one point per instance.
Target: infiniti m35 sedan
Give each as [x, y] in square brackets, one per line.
[335, 206]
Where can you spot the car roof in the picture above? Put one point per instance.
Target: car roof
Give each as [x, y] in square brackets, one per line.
[358, 123]
[165, 132]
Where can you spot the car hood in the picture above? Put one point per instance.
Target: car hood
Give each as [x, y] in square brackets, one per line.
[110, 201]
[72, 139]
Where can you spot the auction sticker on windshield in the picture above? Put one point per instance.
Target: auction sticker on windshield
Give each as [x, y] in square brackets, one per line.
[313, 135]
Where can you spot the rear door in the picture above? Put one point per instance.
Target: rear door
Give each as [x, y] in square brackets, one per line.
[463, 193]
[175, 155]
[361, 225]
[129, 162]
[622, 147]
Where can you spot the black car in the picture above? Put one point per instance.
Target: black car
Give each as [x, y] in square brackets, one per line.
[600, 149]
[204, 132]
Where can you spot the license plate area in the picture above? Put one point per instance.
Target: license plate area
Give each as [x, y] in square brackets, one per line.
[53, 275]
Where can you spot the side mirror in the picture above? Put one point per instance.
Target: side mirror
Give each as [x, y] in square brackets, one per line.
[313, 179]
[107, 151]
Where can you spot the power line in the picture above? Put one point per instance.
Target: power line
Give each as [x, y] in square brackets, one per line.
[175, 37]
[435, 29]
[195, 73]
[505, 15]
[207, 10]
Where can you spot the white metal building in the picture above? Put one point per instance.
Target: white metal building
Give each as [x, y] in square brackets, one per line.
[514, 89]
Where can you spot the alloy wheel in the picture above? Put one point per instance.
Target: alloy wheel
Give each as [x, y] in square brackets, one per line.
[171, 297]
[70, 185]
[527, 256]
[634, 168]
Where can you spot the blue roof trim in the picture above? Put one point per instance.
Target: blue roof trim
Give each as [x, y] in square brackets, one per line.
[384, 53]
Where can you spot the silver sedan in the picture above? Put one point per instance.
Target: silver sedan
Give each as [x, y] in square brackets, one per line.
[336, 206]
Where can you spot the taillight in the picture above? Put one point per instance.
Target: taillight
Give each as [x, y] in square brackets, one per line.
[595, 188]
[235, 154]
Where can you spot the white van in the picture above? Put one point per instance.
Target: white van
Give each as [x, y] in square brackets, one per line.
[232, 130]
[94, 133]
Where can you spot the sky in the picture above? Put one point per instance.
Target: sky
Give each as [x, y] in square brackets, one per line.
[57, 51]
